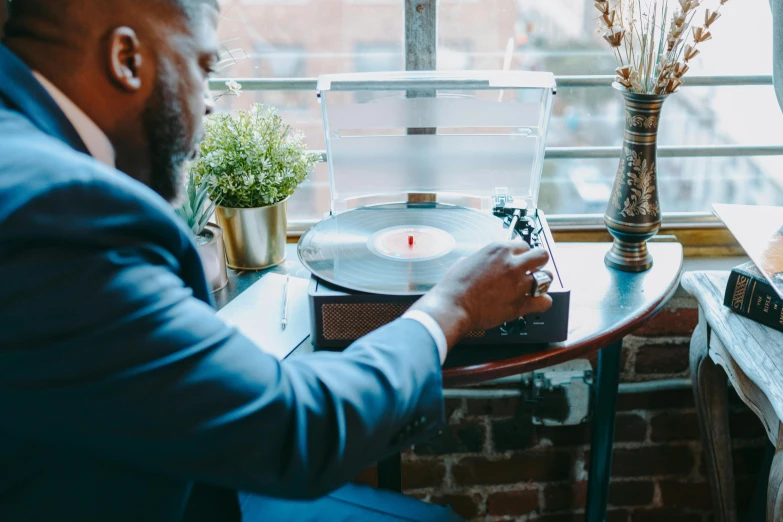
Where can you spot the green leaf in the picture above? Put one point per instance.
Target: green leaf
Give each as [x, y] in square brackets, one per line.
[252, 159]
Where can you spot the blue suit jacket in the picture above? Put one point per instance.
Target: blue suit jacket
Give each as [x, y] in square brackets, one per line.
[122, 395]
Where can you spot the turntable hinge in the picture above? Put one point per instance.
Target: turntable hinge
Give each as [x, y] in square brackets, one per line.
[501, 196]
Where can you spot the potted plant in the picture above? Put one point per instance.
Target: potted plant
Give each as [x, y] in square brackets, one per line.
[253, 163]
[195, 210]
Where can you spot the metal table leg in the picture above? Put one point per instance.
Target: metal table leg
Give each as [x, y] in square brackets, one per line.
[602, 441]
[390, 473]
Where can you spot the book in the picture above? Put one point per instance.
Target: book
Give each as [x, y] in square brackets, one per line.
[258, 312]
[749, 293]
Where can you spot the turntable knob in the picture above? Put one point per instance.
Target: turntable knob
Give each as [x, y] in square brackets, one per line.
[513, 327]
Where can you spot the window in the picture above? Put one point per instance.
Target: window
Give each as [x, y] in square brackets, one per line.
[289, 39]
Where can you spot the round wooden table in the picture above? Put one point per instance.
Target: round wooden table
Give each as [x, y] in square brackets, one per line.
[606, 305]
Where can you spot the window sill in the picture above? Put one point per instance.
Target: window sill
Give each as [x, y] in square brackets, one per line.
[702, 235]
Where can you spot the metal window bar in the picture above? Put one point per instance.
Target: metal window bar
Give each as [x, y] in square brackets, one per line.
[309, 84]
[579, 222]
[305, 84]
[421, 17]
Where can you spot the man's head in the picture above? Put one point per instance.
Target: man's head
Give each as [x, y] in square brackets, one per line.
[137, 68]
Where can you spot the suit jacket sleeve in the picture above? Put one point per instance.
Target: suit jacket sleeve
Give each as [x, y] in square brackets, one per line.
[108, 352]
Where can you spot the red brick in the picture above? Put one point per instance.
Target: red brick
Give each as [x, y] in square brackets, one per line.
[561, 517]
[665, 514]
[628, 428]
[612, 515]
[565, 497]
[668, 427]
[425, 473]
[650, 461]
[632, 493]
[563, 436]
[593, 360]
[686, 495]
[451, 406]
[465, 505]
[535, 465]
[662, 359]
[745, 425]
[513, 434]
[419, 495]
[657, 400]
[465, 437]
[368, 476]
[512, 503]
[679, 321]
[506, 407]
[616, 515]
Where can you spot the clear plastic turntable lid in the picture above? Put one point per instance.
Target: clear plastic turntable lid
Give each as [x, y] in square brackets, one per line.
[464, 135]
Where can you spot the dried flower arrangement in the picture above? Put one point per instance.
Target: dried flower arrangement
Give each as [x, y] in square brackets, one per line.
[652, 50]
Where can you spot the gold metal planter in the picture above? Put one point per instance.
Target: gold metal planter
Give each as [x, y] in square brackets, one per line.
[254, 237]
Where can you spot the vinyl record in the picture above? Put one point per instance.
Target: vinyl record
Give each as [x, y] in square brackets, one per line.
[395, 249]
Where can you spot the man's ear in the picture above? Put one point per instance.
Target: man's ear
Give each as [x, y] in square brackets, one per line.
[125, 59]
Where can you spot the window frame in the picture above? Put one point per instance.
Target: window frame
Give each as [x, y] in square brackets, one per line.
[701, 233]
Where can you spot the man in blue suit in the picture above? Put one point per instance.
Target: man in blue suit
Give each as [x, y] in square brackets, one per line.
[122, 396]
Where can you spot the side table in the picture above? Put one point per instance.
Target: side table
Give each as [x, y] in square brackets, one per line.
[606, 305]
[751, 355]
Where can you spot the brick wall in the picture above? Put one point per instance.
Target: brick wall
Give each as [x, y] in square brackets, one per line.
[3, 14]
[493, 464]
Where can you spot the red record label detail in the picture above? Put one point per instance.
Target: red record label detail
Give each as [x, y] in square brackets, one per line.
[414, 243]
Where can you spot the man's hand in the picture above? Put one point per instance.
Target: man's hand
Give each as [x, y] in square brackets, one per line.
[486, 289]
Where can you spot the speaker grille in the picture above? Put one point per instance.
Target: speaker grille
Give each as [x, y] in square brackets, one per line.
[350, 321]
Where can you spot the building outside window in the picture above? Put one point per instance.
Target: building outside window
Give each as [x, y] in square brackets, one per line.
[300, 38]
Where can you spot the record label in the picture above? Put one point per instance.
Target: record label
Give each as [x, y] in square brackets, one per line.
[411, 243]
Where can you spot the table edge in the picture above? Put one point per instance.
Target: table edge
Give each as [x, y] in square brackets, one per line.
[477, 374]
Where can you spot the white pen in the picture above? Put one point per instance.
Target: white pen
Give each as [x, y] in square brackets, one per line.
[284, 323]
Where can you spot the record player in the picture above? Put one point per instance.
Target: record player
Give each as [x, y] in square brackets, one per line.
[424, 169]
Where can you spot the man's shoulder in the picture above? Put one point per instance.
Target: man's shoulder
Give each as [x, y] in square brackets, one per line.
[36, 167]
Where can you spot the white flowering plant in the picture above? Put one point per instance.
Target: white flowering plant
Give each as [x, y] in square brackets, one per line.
[252, 159]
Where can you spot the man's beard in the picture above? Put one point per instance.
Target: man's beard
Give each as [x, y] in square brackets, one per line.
[169, 144]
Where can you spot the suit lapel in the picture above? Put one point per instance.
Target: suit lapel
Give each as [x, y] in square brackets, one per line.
[20, 91]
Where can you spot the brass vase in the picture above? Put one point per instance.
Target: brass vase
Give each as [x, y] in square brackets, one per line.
[633, 214]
